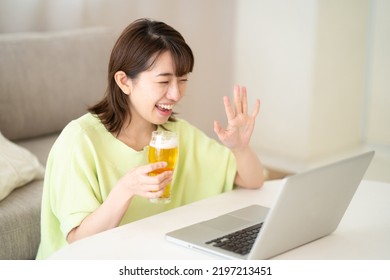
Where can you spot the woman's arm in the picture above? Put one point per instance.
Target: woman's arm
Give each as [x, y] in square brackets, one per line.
[111, 211]
[249, 169]
[237, 136]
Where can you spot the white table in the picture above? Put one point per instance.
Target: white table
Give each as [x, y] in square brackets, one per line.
[364, 232]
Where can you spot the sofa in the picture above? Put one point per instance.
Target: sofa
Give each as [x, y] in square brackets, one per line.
[46, 80]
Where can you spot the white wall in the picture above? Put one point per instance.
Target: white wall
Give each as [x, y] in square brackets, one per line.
[339, 76]
[275, 49]
[308, 63]
[377, 129]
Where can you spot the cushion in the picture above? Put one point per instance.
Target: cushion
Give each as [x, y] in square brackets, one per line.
[50, 78]
[18, 166]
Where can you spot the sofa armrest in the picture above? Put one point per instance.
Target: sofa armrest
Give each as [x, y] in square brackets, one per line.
[20, 222]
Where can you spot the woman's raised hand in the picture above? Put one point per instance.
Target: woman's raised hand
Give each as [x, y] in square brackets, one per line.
[240, 124]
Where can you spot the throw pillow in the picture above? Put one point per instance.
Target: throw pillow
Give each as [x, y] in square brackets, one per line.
[18, 166]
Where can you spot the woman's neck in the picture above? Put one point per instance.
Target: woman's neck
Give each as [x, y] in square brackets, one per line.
[136, 135]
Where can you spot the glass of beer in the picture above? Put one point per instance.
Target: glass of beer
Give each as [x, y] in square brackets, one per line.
[163, 147]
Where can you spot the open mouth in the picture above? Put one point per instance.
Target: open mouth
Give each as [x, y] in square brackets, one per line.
[165, 107]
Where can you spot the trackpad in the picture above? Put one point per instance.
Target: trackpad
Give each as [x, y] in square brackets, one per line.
[225, 222]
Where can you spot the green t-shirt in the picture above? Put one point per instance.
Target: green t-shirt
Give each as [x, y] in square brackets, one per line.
[86, 162]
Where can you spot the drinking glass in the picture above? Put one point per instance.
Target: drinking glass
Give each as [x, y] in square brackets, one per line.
[163, 146]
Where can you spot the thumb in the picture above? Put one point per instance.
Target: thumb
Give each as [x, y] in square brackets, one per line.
[219, 130]
[217, 127]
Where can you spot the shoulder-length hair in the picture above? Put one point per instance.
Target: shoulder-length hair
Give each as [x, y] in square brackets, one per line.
[135, 51]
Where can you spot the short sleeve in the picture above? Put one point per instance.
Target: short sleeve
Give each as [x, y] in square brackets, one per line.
[74, 188]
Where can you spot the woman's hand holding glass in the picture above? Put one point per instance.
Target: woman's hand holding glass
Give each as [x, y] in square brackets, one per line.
[137, 181]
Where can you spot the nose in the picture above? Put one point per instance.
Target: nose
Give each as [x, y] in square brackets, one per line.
[174, 92]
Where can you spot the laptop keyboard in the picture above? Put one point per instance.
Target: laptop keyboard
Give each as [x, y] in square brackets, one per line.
[240, 242]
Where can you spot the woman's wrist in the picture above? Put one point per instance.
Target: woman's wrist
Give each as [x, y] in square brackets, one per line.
[249, 168]
[242, 150]
[121, 192]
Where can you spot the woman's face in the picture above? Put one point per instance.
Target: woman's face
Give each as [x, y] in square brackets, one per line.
[156, 91]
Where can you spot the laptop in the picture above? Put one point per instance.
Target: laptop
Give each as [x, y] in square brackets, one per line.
[310, 205]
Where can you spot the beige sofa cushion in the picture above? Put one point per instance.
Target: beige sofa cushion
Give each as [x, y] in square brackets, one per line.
[18, 166]
[45, 83]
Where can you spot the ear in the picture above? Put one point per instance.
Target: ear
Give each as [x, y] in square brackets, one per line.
[123, 82]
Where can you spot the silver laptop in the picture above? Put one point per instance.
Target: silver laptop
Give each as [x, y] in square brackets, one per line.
[309, 206]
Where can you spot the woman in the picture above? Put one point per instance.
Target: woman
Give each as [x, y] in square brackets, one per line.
[97, 172]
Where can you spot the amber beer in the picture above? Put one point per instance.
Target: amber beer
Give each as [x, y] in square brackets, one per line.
[163, 147]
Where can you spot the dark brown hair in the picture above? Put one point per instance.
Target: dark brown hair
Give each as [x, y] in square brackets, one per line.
[135, 51]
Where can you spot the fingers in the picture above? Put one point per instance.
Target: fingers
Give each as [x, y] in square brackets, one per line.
[239, 107]
[219, 130]
[256, 110]
[240, 103]
[155, 185]
[157, 188]
[228, 108]
[244, 101]
[159, 181]
[146, 169]
[139, 182]
[217, 127]
[237, 99]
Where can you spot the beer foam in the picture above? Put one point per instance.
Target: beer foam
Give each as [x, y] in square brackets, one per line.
[172, 143]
